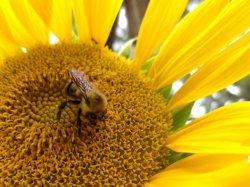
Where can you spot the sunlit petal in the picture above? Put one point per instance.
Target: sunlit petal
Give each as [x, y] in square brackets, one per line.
[228, 67]
[61, 19]
[188, 29]
[228, 25]
[7, 48]
[160, 18]
[30, 20]
[44, 10]
[5, 31]
[11, 26]
[206, 171]
[225, 130]
[57, 15]
[101, 16]
[81, 21]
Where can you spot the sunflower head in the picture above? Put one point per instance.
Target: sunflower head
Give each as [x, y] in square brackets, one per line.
[125, 149]
[39, 147]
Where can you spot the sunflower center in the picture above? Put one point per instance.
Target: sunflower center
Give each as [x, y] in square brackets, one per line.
[38, 148]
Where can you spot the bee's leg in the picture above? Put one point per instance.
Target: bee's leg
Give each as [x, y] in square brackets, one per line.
[103, 118]
[78, 120]
[92, 117]
[74, 102]
[93, 122]
[94, 41]
[61, 107]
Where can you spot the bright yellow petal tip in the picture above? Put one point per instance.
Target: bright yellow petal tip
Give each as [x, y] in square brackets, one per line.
[225, 130]
[100, 17]
[187, 30]
[30, 20]
[160, 18]
[57, 16]
[231, 64]
[230, 23]
[12, 27]
[206, 171]
[81, 21]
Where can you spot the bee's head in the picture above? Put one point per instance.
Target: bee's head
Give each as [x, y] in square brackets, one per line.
[96, 116]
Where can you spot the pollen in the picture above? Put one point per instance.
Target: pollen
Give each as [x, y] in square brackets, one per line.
[39, 149]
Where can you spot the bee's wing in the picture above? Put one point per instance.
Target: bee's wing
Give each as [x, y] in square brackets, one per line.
[81, 80]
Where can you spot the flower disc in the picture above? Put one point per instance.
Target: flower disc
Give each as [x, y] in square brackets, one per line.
[39, 149]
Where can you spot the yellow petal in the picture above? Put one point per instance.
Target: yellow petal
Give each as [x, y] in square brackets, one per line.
[1, 58]
[225, 130]
[30, 20]
[81, 21]
[188, 29]
[101, 16]
[57, 15]
[44, 10]
[229, 66]
[160, 18]
[61, 19]
[7, 47]
[228, 25]
[205, 171]
[5, 31]
[11, 26]
[7, 43]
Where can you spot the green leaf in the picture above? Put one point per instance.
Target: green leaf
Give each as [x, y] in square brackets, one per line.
[126, 49]
[181, 116]
[175, 156]
[75, 39]
[166, 92]
[147, 65]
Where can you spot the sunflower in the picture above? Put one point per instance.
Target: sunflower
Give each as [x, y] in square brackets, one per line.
[134, 145]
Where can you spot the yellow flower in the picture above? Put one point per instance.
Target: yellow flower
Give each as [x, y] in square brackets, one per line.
[131, 146]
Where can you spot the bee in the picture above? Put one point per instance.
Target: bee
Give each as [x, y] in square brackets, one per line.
[91, 102]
